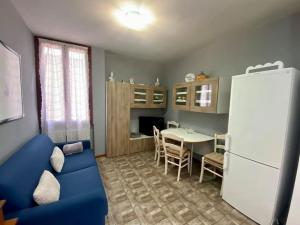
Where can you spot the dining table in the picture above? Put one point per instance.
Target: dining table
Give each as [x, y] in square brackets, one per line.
[189, 136]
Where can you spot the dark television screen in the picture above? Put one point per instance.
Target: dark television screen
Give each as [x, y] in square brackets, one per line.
[146, 124]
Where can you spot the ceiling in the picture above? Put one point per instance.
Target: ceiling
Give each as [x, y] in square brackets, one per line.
[180, 26]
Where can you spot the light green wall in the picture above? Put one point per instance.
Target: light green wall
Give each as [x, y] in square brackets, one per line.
[231, 55]
[141, 71]
[125, 67]
[98, 82]
[15, 33]
[296, 39]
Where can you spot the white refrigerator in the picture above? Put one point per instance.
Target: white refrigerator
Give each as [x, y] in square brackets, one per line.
[261, 154]
[294, 215]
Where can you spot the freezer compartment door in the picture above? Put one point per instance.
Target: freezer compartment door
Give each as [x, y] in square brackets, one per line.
[250, 187]
[258, 117]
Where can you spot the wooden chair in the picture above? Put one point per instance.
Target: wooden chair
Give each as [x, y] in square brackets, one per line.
[159, 150]
[174, 150]
[172, 124]
[212, 162]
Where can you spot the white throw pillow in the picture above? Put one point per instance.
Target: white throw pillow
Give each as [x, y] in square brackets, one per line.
[48, 189]
[69, 149]
[57, 159]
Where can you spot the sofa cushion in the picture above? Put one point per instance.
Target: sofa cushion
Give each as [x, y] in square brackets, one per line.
[80, 181]
[20, 174]
[48, 189]
[79, 161]
[73, 148]
[57, 159]
[85, 143]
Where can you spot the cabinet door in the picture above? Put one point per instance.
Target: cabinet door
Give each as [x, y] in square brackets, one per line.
[204, 95]
[158, 98]
[181, 97]
[139, 96]
[141, 144]
[117, 118]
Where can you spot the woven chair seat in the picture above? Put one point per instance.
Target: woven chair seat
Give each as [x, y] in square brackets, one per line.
[176, 153]
[214, 157]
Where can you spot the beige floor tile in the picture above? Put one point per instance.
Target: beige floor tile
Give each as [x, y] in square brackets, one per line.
[139, 193]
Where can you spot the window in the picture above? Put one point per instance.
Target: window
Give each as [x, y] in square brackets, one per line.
[64, 79]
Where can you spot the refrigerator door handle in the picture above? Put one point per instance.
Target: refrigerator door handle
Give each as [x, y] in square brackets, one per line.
[226, 161]
[227, 142]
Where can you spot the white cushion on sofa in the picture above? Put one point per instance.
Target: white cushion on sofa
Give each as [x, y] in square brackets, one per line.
[57, 159]
[69, 149]
[48, 189]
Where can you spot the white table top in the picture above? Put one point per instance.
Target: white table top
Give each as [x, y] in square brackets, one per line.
[188, 135]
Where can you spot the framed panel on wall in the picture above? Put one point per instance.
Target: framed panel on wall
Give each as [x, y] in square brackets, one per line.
[11, 102]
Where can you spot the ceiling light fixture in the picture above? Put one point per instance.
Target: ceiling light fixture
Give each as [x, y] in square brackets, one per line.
[134, 17]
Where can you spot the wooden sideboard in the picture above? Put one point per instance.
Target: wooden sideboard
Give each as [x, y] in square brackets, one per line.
[141, 144]
[119, 101]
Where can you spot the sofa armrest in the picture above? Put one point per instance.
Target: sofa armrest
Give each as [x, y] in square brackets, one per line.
[89, 208]
[85, 143]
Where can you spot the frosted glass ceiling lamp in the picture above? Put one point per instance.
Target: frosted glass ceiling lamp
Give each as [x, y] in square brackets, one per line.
[133, 17]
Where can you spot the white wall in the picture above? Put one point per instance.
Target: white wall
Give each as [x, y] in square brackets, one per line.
[15, 33]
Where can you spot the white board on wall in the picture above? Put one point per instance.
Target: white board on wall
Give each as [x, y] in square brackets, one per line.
[11, 105]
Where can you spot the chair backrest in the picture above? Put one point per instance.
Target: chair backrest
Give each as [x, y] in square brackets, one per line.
[156, 137]
[172, 124]
[172, 142]
[219, 142]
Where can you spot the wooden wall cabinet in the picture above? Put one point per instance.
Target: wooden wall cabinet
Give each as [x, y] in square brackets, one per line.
[144, 96]
[208, 96]
[182, 96]
[140, 96]
[204, 96]
[158, 97]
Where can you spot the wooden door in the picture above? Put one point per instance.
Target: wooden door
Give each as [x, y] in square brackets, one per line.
[118, 118]
[204, 95]
[181, 96]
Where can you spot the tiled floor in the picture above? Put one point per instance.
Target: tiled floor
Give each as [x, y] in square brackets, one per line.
[139, 193]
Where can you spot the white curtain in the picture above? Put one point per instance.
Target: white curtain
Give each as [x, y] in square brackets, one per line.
[65, 114]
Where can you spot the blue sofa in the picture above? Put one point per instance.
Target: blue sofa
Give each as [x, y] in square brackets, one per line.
[82, 198]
